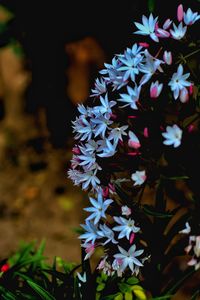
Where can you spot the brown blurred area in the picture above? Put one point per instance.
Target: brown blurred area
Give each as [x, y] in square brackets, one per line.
[37, 200]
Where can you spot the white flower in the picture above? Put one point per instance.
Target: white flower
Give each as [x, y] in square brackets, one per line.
[128, 258]
[179, 32]
[89, 249]
[98, 209]
[173, 136]
[187, 229]
[126, 211]
[147, 27]
[126, 227]
[139, 177]
[178, 81]
[190, 17]
[82, 277]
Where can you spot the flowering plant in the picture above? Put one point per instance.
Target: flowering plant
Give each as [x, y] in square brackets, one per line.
[137, 155]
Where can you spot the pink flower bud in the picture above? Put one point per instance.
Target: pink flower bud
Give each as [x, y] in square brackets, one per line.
[167, 24]
[155, 89]
[191, 89]
[105, 192]
[191, 128]
[76, 150]
[132, 237]
[133, 153]
[146, 132]
[132, 117]
[167, 57]
[184, 95]
[162, 33]
[180, 13]
[133, 141]
[143, 44]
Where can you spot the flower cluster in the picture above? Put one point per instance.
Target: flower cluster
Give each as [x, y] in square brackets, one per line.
[124, 132]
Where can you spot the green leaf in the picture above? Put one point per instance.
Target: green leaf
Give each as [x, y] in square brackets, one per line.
[124, 287]
[40, 291]
[149, 210]
[100, 287]
[128, 296]
[132, 280]
[151, 5]
[7, 295]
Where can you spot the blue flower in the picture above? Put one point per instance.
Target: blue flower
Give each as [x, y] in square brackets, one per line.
[179, 32]
[99, 208]
[100, 88]
[131, 98]
[128, 258]
[117, 133]
[107, 232]
[126, 227]
[178, 81]
[190, 18]
[91, 232]
[108, 149]
[147, 27]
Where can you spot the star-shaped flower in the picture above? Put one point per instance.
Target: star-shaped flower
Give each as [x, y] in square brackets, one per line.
[178, 81]
[173, 136]
[98, 209]
[128, 258]
[126, 227]
[147, 27]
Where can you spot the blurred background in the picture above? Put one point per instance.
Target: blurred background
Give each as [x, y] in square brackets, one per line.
[50, 54]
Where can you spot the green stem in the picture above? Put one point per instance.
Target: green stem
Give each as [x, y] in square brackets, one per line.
[188, 55]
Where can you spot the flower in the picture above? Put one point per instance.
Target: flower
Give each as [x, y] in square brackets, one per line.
[179, 32]
[100, 88]
[167, 57]
[91, 232]
[180, 13]
[187, 229]
[89, 249]
[178, 81]
[147, 27]
[126, 227]
[117, 133]
[126, 211]
[190, 18]
[107, 232]
[98, 209]
[108, 149]
[133, 141]
[131, 98]
[173, 136]
[155, 89]
[128, 258]
[139, 177]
